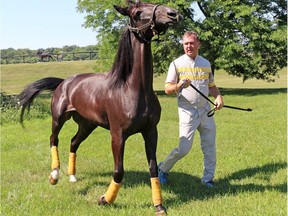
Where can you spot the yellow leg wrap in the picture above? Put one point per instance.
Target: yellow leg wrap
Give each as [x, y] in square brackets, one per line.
[112, 192]
[72, 164]
[55, 158]
[156, 191]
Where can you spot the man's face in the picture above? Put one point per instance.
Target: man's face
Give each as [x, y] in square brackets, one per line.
[191, 46]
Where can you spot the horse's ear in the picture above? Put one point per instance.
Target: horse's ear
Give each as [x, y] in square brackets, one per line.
[137, 2]
[132, 2]
[123, 11]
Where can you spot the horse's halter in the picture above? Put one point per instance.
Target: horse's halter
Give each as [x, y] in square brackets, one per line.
[150, 24]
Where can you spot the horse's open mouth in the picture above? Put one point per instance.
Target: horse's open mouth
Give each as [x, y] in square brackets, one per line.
[171, 23]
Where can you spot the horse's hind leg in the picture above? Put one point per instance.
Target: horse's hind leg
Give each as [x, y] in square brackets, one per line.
[57, 124]
[84, 130]
[151, 136]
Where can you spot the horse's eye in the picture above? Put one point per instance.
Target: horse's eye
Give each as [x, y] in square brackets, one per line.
[138, 13]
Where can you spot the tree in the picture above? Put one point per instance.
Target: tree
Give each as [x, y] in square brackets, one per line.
[246, 38]
[103, 18]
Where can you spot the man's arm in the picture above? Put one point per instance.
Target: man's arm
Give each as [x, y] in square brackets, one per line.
[173, 88]
[214, 91]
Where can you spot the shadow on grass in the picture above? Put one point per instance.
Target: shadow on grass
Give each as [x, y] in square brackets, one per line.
[188, 187]
[240, 91]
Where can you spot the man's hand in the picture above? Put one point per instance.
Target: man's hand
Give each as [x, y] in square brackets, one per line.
[185, 82]
[218, 102]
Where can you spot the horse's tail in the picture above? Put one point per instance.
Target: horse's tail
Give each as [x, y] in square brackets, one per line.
[27, 96]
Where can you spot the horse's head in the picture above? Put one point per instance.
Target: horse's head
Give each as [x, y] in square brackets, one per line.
[147, 19]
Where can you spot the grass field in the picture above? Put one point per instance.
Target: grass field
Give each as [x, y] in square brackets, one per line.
[251, 172]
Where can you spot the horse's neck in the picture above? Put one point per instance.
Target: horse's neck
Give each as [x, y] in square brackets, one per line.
[143, 66]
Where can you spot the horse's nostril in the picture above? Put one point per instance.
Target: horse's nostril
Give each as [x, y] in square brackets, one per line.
[175, 15]
[172, 14]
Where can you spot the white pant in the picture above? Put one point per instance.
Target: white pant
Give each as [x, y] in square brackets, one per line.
[191, 119]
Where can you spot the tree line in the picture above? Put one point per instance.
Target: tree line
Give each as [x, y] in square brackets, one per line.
[245, 38]
[66, 53]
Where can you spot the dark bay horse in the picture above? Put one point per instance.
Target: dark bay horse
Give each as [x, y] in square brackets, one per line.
[122, 100]
[42, 55]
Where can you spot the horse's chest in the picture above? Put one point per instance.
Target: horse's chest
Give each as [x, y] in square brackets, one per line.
[133, 112]
[142, 109]
[147, 114]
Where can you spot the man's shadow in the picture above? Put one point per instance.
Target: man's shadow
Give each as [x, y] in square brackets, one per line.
[187, 187]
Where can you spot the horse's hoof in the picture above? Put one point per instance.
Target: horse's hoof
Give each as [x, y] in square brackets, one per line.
[54, 176]
[72, 178]
[102, 200]
[160, 210]
[52, 180]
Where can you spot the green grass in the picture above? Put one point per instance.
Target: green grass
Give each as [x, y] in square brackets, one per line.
[14, 77]
[251, 153]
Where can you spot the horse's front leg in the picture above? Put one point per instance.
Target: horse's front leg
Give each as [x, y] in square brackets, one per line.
[118, 143]
[151, 137]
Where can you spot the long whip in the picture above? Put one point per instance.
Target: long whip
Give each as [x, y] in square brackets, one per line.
[211, 112]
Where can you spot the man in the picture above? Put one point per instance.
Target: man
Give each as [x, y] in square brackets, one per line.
[191, 68]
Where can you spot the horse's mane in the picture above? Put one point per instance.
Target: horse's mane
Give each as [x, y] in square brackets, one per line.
[123, 63]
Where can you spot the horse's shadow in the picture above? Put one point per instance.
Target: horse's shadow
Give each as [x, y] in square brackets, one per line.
[187, 187]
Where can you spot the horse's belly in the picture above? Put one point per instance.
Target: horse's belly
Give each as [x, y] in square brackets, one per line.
[94, 115]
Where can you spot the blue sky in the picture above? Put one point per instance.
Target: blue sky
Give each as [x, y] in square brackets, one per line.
[38, 24]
